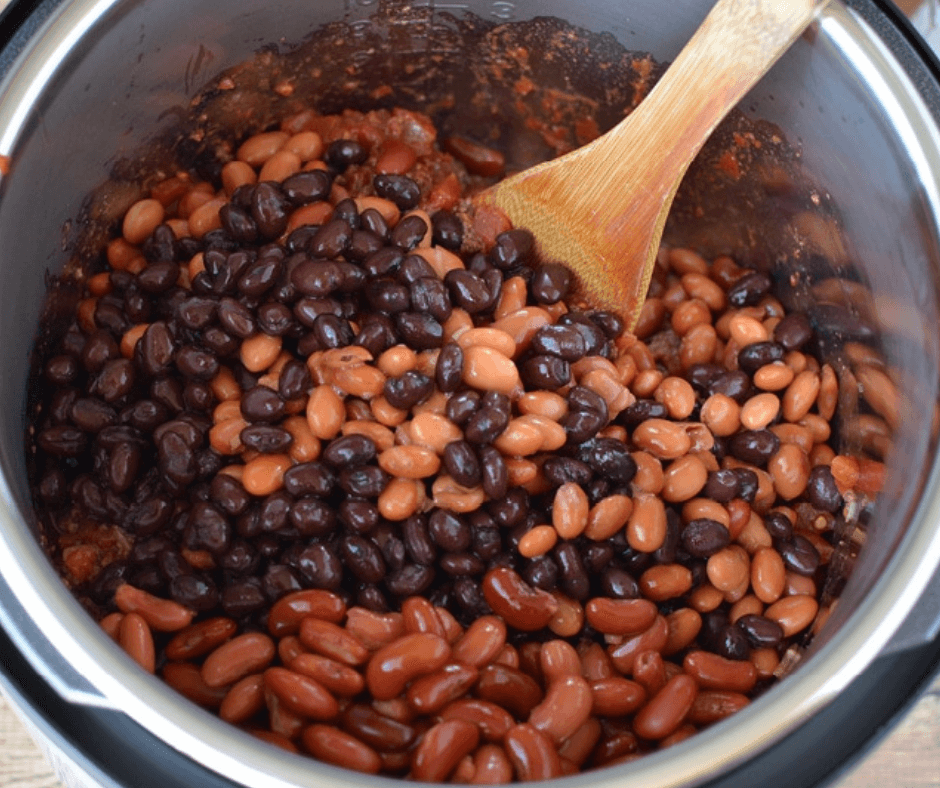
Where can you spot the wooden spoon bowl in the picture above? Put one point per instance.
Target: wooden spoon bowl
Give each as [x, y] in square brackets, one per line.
[601, 209]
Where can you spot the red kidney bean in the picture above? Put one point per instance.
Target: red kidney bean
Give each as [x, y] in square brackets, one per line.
[533, 754]
[301, 694]
[616, 696]
[519, 604]
[287, 613]
[714, 705]
[429, 694]
[377, 730]
[667, 709]
[200, 638]
[250, 652]
[186, 679]
[491, 766]
[491, 718]
[393, 666]
[332, 641]
[332, 745]
[624, 655]
[481, 642]
[564, 709]
[336, 677]
[578, 746]
[162, 615]
[620, 616]
[244, 699]
[510, 688]
[442, 748]
[713, 671]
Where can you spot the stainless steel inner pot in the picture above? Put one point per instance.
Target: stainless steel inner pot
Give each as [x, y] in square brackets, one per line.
[97, 77]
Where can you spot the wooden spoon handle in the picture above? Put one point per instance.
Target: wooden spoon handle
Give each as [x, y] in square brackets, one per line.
[736, 44]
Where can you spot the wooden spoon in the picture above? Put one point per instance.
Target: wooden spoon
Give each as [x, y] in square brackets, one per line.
[601, 209]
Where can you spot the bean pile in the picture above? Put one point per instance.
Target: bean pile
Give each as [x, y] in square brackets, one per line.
[344, 461]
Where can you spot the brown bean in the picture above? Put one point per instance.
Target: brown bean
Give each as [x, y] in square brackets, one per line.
[330, 640]
[713, 671]
[721, 414]
[665, 581]
[481, 642]
[243, 700]
[259, 352]
[334, 676]
[789, 469]
[728, 568]
[250, 652]
[646, 528]
[393, 666]
[667, 710]
[185, 678]
[163, 615]
[325, 412]
[487, 369]
[793, 613]
[442, 748]
[537, 541]
[409, 462]
[429, 694]
[768, 575]
[800, 395]
[200, 638]
[532, 753]
[520, 605]
[491, 718]
[264, 474]
[287, 613]
[332, 745]
[620, 616]
[663, 439]
[141, 219]
[608, 517]
[301, 694]
[684, 479]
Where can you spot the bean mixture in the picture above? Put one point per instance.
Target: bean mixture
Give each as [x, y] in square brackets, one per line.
[342, 460]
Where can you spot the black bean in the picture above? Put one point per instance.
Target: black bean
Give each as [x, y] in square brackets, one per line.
[448, 531]
[779, 527]
[362, 244]
[410, 580]
[278, 581]
[560, 470]
[333, 332]
[582, 425]
[566, 342]
[194, 591]
[331, 240]
[754, 446]
[494, 472]
[229, 495]
[430, 295]
[150, 516]
[208, 528]
[400, 189]
[468, 291]
[347, 211]
[836, 322]
[760, 631]
[377, 335]
[485, 425]
[112, 317]
[732, 643]
[262, 404]
[419, 331]
[619, 584]
[461, 564]
[609, 322]
[350, 450]
[123, 466]
[91, 414]
[447, 230]
[461, 462]
[793, 331]
[358, 514]
[722, 485]
[550, 283]
[243, 597]
[294, 380]
[747, 483]
[409, 232]
[822, 491]
[196, 364]
[367, 481]
[799, 554]
[100, 348]
[260, 277]
[512, 248]
[241, 558]
[307, 186]
[734, 384]
[177, 461]
[238, 223]
[581, 398]
[409, 389]
[610, 459]
[235, 318]
[309, 478]
[703, 538]
[154, 350]
[275, 319]
[341, 154]
[641, 410]
[448, 373]
[749, 289]
[511, 509]
[545, 372]
[316, 278]
[219, 342]
[759, 354]
[312, 517]
[266, 439]
[575, 581]
[370, 219]
[157, 278]
[270, 208]
[321, 567]
[541, 572]
[61, 370]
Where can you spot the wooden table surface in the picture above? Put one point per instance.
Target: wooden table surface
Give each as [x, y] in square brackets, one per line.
[909, 757]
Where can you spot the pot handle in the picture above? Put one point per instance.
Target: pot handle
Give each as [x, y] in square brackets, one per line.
[46, 660]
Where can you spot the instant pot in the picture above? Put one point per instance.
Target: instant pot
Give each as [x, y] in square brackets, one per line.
[85, 82]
